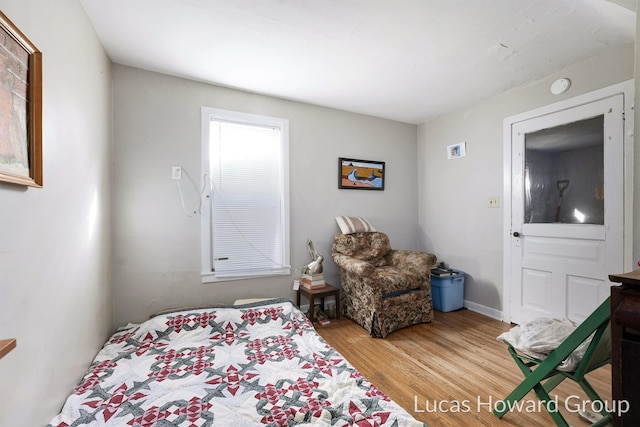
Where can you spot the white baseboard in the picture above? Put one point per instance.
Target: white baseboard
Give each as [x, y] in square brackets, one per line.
[469, 305]
[482, 309]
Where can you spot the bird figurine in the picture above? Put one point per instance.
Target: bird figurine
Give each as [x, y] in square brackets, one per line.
[315, 266]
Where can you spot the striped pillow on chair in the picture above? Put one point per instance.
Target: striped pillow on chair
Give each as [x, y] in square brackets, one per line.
[352, 224]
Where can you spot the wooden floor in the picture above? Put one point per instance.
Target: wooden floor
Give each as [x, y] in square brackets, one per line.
[453, 364]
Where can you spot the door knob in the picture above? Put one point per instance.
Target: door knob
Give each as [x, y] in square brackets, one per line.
[516, 234]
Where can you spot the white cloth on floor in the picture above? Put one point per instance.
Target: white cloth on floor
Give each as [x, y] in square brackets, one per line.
[541, 336]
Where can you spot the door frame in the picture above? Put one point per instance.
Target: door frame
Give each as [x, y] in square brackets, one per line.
[627, 90]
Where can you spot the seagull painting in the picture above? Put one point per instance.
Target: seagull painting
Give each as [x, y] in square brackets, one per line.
[372, 180]
[361, 174]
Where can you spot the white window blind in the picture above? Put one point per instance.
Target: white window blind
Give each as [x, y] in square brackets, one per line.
[249, 196]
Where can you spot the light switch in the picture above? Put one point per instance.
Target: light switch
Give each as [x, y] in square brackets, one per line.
[176, 172]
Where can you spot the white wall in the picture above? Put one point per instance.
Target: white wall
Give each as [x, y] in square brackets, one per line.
[455, 220]
[157, 247]
[55, 295]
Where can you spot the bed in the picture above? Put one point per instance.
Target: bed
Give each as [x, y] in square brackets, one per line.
[254, 364]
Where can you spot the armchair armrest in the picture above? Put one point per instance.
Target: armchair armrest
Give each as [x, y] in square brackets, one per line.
[352, 265]
[418, 263]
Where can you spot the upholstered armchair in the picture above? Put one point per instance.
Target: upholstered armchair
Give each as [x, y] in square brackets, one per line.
[383, 289]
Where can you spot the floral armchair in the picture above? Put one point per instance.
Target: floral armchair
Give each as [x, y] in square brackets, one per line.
[383, 289]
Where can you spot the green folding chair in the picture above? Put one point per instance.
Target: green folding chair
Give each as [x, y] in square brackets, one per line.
[542, 377]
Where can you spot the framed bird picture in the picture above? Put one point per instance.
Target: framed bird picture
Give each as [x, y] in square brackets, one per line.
[355, 174]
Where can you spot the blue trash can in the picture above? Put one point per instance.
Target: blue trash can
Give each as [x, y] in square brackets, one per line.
[447, 291]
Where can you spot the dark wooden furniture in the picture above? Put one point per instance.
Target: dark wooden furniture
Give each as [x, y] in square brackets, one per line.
[320, 292]
[6, 346]
[625, 348]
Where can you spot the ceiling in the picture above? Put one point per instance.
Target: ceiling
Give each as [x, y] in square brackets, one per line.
[406, 60]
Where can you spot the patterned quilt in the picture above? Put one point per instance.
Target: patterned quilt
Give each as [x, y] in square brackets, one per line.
[250, 365]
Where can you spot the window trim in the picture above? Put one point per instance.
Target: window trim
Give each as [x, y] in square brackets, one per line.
[208, 113]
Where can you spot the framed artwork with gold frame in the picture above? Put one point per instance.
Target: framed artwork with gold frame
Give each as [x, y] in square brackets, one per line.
[20, 107]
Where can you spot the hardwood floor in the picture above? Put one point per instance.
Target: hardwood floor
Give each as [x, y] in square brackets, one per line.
[449, 372]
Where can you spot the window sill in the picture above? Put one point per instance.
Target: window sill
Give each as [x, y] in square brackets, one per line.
[208, 277]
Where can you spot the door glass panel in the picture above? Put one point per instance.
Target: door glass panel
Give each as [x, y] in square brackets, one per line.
[564, 174]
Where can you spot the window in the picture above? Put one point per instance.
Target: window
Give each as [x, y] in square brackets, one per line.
[245, 216]
[567, 157]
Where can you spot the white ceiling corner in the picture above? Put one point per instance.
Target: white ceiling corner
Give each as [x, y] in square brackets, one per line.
[406, 60]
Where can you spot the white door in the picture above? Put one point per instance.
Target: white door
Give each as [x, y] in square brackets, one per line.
[567, 210]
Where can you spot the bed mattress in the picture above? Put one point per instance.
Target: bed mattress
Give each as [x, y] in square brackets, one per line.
[257, 364]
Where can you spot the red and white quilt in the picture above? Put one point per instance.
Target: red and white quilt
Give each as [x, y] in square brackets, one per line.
[245, 366]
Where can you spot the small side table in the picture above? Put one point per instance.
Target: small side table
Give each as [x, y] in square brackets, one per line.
[320, 292]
